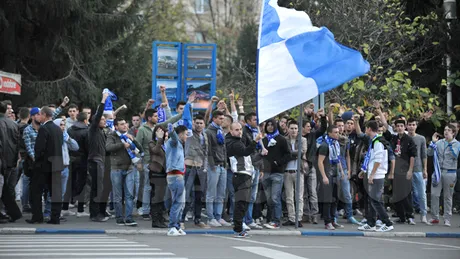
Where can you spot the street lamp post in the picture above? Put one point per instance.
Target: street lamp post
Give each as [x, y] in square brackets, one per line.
[450, 12]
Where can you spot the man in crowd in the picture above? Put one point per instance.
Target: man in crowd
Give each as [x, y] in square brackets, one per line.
[239, 154]
[405, 151]
[290, 174]
[48, 167]
[136, 121]
[445, 154]
[9, 150]
[420, 168]
[96, 162]
[72, 112]
[376, 167]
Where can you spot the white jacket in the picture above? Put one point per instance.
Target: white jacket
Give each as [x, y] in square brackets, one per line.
[380, 155]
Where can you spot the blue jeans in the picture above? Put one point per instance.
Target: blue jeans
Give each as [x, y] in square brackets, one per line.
[136, 185]
[25, 192]
[344, 186]
[273, 184]
[123, 179]
[64, 178]
[254, 187]
[147, 191]
[176, 186]
[215, 194]
[231, 193]
[419, 188]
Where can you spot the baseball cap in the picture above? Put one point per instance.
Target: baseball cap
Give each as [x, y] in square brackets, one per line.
[34, 111]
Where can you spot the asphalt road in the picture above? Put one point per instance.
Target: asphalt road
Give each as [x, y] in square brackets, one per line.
[223, 247]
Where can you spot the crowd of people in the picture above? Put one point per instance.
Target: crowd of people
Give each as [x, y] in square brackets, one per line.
[224, 166]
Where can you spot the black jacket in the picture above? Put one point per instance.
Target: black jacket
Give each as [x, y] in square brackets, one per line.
[217, 154]
[79, 132]
[237, 150]
[256, 157]
[278, 155]
[311, 139]
[9, 137]
[96, 138]
[48, 148]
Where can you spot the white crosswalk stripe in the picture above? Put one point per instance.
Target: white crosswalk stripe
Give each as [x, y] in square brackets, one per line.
[77, 246]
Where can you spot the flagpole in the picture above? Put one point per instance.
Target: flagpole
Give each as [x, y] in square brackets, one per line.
[299, 167]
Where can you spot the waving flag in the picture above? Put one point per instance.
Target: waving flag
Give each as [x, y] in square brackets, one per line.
[297, 61]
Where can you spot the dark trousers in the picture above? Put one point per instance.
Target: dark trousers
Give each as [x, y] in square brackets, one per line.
[157, 196]
[375, 205]
[328, 195]
[402, 197]
[96, 171]
[40, 182]
[107, 187]
[195, 186]
[242, 184]
[9, 194]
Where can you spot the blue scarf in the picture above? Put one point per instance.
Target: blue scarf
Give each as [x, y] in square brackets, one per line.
[255, 132]
[220, 133]
[273, 135]
[161, 115]
[367, 158]
[109, 124]
[437, 168]
[132, 150]
[334, 150]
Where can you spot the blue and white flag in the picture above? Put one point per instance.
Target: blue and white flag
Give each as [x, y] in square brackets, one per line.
[297, 61]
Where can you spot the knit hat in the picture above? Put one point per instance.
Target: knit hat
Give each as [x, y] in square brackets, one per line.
[34, 111]
[347, 116]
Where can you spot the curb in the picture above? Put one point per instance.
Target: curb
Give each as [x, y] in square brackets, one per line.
[50, 231]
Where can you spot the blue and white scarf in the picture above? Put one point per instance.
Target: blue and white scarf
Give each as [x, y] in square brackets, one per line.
[437, 168]
[220, 133]
[273, 135]
[132, 150]
[334, 150]
[255, 132]
[367, 157]
[161, 115]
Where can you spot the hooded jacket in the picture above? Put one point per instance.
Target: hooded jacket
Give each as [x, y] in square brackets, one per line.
[278, 155]
[239, 153]
[447, 153]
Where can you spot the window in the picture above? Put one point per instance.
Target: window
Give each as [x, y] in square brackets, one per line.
[201, 6]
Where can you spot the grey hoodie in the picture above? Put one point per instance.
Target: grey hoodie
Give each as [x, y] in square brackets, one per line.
[447, 153]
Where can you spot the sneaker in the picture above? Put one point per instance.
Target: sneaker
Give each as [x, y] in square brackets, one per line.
[130, 223]
[173, 232]
[242, 234]
[367, 228]
[336, 225]
[272, 225]
[424, 220]
[447, 223]
[146, 217]
[224, 223]
[353, 221]
[341, 212]
[181, 232]
[434, 221]
[245, 227]
[82, 214]
[329, 226]
[379, 223]
[214, 223]
[182, 226]
[189, 215]
[71, 206]
[254, 225]
[385, 228]
[364, 221]
[289, 223]
[314, 220]
[358, 212]
[68, 213]
[108, 214]
[120, 222]
[411, 221]
[202, 225]
[100, 219]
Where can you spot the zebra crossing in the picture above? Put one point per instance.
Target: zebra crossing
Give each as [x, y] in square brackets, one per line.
[77, 246]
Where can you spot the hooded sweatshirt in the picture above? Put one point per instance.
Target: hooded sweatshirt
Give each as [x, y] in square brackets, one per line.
[447, 153]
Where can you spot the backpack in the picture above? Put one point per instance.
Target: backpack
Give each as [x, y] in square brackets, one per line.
[386, 145]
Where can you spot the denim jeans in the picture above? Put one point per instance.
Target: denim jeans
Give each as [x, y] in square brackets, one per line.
[176, 186]
[344, 187]
[273, 184]
[64, 178]
[147, 191]
[25, 192]
[123, 179]
[231, 193]
[419, 192]
[254, 187]
[136, 185]
[194, 192]
[215, 193]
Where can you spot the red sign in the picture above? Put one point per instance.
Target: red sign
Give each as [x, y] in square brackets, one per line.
[10, 83]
